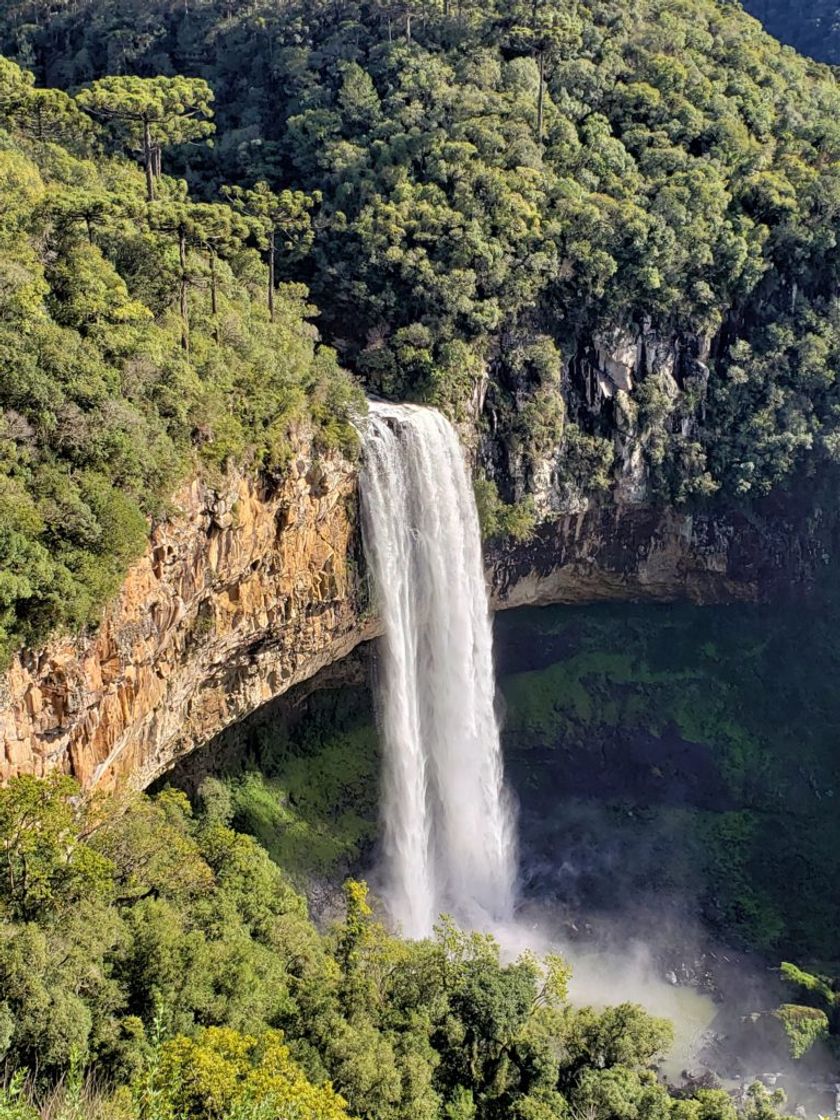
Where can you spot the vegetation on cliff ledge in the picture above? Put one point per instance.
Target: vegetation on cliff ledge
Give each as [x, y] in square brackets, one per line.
[136, 342]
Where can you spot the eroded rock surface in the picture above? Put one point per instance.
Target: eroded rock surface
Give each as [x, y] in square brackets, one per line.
[623, 552]
[257, 585]
[244, 592]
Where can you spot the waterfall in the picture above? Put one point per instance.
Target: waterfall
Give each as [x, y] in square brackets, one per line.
[448, 830]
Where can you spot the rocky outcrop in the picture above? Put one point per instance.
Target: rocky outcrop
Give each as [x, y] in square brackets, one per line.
[249, 588]
[620, 552]
[622, 395]
[256, 584]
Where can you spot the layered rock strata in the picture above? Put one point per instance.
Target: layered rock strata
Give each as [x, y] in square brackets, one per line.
[256, 585]
[249, 588]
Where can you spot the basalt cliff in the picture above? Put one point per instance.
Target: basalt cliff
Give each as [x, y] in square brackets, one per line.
[255, 584]
[249, 588]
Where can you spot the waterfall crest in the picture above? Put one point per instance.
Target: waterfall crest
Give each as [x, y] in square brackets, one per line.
[448, 830]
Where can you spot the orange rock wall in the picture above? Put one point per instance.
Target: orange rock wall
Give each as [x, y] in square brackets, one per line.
[243, 593]
[256, 586]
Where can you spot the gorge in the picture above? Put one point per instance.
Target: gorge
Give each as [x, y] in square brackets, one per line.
[446, 840]
[419, 458]
[255, 583]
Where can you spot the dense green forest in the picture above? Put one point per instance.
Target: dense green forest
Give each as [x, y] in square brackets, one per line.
[812, 26]
[464, 189]
[509, 184]
[136, 344]
[156, 964]
[219, 220]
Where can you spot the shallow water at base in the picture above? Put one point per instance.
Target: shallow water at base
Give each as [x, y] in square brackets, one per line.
[605, 978]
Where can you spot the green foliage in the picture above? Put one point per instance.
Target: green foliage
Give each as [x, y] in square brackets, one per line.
[13, 1103]
[500, 184]
[42, 864]
[500, 519]
[135, 348]
[804, 1026]
[221, 1073]
[477, 199]
[185, 979]
[150, 114]
[284, 217]
[817, 986]
[308, 792]
[763, 1103]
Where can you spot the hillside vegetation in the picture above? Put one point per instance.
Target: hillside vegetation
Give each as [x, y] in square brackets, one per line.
[136, 345]
[510, 183]
[472, 188]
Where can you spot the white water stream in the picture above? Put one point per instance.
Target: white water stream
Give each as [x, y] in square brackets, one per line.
[448, 830]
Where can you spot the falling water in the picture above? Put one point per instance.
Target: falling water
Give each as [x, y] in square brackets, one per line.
[448, 834]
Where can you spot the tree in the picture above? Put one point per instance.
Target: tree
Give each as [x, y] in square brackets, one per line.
[219, 230]
[174, 217]
[152, 114]
[46, 115]
[221, 1072]
[42, 863]
[274, 218]
[212, 227]
[70, 205]
[804, 1026]
[547, 34]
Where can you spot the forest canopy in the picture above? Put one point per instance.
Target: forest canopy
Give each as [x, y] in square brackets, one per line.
[487, 203]
[137, 343]
[159, 966]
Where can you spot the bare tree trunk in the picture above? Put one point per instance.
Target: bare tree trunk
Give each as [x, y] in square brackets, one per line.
[214, 306]
[271, 275]
[185, 323]
[147, 162]
[541, 98]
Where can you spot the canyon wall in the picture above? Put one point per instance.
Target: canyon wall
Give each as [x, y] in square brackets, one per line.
[246, 590]
[255, 585]
[621, 552]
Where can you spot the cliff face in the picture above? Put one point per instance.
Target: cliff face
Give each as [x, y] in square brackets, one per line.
[241, 594]
[621, 552]
[255, 587]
